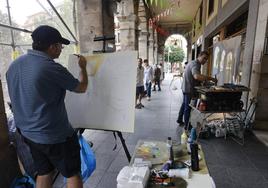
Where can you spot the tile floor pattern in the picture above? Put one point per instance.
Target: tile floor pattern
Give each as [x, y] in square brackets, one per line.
[230, 164]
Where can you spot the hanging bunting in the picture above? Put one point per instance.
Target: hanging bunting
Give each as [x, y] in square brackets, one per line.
[166, 12]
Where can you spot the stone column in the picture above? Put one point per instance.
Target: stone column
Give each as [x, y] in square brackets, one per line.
[127, 24]
[155, 48]
[95, 18]
[127, 32]
[259, 71]
[143, 48]
[160, 58]
[143, 32]
[189, 49]
[151, 46]
[89, 24]
[249, 47]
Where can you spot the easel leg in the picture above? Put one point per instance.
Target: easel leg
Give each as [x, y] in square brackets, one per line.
[124, 145]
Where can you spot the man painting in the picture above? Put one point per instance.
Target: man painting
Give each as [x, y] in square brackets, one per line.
[37, 86]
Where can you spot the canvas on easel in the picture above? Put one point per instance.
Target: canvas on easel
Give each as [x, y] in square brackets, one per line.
[109, 102]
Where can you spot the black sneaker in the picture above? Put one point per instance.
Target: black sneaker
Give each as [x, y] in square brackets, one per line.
[141, 105]
[181, 123]
[138, 106]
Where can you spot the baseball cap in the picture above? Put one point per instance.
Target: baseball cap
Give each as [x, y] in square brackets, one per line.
[45, 34]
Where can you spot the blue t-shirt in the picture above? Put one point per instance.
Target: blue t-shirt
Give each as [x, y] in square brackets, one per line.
[37, 86]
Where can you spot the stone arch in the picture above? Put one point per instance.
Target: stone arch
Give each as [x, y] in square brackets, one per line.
[176, 40]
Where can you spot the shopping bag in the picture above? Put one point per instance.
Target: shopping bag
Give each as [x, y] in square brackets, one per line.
[88, 160]
[23, 182]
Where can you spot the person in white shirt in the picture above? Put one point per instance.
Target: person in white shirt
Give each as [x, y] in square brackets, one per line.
[148, 78]
[139, 85]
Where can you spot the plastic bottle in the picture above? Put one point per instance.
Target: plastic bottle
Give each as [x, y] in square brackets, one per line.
[182, 173]
[183, 138]
[192, 139]
[193, 135]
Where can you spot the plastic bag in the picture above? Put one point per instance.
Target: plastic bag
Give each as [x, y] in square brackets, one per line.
[25, 155]
[23, 182]
[88, 160]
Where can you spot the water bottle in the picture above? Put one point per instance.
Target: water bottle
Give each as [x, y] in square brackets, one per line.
[176, 173]
[193, 135]
[183, 138]
[191, 140]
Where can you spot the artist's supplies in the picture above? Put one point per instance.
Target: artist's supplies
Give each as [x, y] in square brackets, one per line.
[139, 162]
[133, 177]
[171, 155]
[220, 132]
[182, 173]
[188, 147]
[166, 166]
[159, 174]
[179, 164]
[194, 157]
[187, 163]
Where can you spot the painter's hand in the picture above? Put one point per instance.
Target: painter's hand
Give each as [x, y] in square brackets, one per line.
[82, 62]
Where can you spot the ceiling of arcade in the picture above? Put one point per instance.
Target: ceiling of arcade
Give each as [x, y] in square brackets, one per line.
[171, 17]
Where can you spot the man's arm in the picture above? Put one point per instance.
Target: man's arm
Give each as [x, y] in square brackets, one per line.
[201, 77]
[83, 78]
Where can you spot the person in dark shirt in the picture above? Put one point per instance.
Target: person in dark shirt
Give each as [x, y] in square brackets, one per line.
[157, 77]
[192, 77]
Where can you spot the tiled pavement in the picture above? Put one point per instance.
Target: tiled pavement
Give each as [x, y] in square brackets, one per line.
[230, 164]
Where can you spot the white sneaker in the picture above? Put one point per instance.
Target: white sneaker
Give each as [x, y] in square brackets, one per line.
[148, 98]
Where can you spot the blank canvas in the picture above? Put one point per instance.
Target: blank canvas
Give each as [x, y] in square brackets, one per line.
[109, 102]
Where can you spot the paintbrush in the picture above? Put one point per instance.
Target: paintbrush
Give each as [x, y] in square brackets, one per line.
[77, 55]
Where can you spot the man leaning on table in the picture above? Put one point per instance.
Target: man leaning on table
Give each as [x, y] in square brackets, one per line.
[192, 77]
